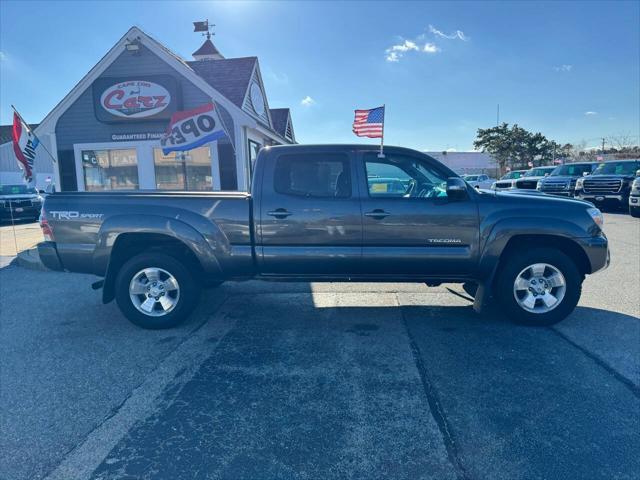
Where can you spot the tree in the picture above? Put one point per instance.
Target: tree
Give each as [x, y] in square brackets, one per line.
[516, 147]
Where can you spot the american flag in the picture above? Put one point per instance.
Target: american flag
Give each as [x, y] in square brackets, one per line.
[369, 123]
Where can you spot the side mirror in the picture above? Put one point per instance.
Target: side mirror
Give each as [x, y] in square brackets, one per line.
[637, 173]
[456, 188]
[546, 174]
[585, 174]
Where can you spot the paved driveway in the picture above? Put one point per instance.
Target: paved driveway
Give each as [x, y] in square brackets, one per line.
[321, 381]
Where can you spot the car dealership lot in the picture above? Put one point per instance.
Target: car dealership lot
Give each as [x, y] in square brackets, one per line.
[321, 381]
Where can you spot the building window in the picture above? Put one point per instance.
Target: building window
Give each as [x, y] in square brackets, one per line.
[319, 176]
[110, 169]
[183, 170]
[254, 148]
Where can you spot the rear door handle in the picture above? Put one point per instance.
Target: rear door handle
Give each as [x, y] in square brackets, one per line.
[378, 214]
[280, 213]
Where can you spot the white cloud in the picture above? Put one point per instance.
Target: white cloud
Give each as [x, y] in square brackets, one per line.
[590, 113]
[458, 34]
[307, 101]
[450, 150]
[430, 48]
[2, 56]
[563, 68]
[396, 52]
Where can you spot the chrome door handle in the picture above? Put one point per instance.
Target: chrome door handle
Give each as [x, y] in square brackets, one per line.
[378, 214]
[280, 213]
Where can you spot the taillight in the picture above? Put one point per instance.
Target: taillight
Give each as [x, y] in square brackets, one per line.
[47, 231]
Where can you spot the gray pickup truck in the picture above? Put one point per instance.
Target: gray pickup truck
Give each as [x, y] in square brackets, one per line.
[329, 213]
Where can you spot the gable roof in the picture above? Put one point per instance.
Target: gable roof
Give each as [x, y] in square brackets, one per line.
[280, 116]
[207, 48]
[229, 76]
[6, 132]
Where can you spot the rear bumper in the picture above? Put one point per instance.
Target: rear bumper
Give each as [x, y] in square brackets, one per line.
[49, 256]
[597, 250]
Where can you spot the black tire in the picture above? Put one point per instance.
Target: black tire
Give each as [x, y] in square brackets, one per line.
[515, 263]
[186, 302]
[634, 212]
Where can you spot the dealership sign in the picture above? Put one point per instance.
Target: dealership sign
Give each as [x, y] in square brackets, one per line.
[135, 99]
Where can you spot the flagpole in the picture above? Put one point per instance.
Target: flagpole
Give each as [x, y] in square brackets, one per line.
[381, 154]
[32, 132]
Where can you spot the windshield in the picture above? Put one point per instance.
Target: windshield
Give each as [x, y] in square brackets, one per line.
[539, 172]
[16, 190]
[617, 168]
[511, 176]
[470, 178]
[573, 170]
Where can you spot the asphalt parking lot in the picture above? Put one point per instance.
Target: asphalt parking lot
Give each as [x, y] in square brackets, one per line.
[321, 381]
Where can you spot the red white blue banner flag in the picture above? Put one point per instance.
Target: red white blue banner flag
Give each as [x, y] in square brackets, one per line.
[24, 146]
[192, 128]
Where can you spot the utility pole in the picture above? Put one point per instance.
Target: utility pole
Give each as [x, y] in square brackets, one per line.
[603, 145]
[498, 116]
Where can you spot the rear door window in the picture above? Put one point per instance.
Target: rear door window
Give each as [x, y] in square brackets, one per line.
[313, 175]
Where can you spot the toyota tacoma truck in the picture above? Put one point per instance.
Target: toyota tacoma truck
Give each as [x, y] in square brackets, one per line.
[329, 213]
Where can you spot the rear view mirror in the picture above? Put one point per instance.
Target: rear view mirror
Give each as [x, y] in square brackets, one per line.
[456, 188]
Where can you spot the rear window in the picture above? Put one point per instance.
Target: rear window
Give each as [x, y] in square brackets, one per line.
[313, 175]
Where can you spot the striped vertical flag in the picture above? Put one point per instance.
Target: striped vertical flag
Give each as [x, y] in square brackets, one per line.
[369, 123]
[25, 143]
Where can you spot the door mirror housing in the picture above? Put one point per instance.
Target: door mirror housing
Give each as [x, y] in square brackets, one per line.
[456, 188]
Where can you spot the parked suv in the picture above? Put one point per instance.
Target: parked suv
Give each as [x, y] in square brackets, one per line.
[19, 202]
[634, 197]
[529, 181]
[508, 181]
[562, 181]
[610, 183]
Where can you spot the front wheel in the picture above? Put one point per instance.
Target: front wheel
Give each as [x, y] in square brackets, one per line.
[156, 291]
[540, 286]
[634, 212]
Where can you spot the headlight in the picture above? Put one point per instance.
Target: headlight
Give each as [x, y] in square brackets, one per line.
[597, 216]
[579, 182]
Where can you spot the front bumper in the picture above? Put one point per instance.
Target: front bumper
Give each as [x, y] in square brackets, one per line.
[604, 198]
[49, 256]
[20, 212]
[597, 250]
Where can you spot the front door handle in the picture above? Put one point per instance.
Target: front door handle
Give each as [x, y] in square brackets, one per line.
[279, 213]
[378, 214]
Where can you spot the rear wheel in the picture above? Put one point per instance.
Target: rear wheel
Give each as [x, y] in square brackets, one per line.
[156, 291]
[539, 287]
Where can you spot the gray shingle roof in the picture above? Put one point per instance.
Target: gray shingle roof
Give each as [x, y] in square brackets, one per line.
[230, 76]
[279, 118]
[207, 48]
[5, 132]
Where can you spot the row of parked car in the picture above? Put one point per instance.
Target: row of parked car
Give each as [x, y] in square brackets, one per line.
[614, 184]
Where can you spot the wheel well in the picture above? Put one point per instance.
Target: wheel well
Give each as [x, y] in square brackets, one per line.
[128, 245]
[567, 246]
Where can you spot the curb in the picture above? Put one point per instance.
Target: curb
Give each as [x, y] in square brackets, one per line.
[29, 259]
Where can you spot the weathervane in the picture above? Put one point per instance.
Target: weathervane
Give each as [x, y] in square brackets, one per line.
[204, 27]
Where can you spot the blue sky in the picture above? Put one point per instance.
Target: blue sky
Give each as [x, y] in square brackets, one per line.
[569, 70]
